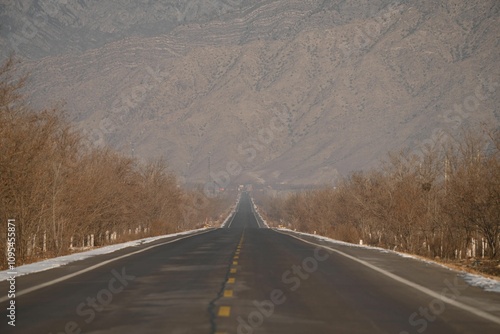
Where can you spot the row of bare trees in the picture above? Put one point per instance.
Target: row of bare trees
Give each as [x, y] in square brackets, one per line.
[64, 194]
[444, 202]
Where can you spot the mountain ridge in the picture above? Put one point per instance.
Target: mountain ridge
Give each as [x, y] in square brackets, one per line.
[293, 91]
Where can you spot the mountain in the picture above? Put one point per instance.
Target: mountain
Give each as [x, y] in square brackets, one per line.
[279, 92]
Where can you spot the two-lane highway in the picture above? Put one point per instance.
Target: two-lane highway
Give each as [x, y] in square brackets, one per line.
[245, 279]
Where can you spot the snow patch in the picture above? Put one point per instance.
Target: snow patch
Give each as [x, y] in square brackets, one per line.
[487, 284]
[256, 211]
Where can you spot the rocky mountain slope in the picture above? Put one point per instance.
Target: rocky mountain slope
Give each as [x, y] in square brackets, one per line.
[282, 91]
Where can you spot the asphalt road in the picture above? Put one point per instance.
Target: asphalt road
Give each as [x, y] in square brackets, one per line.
[246, 279]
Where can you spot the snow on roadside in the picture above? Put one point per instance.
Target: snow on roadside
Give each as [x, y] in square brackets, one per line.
[63, 260]
[338, 242]
[256, 210]
[487, 284]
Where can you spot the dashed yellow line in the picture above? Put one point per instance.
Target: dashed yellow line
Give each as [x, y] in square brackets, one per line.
[224, 311]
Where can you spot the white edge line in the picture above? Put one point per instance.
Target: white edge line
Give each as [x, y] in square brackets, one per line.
[262, 224]
[252, 207]
[233, 215]
[411, 284]
[235, 211]
[228, 221]
[63, 278]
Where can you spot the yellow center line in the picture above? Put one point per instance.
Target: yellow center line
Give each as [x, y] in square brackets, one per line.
[224, 311]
